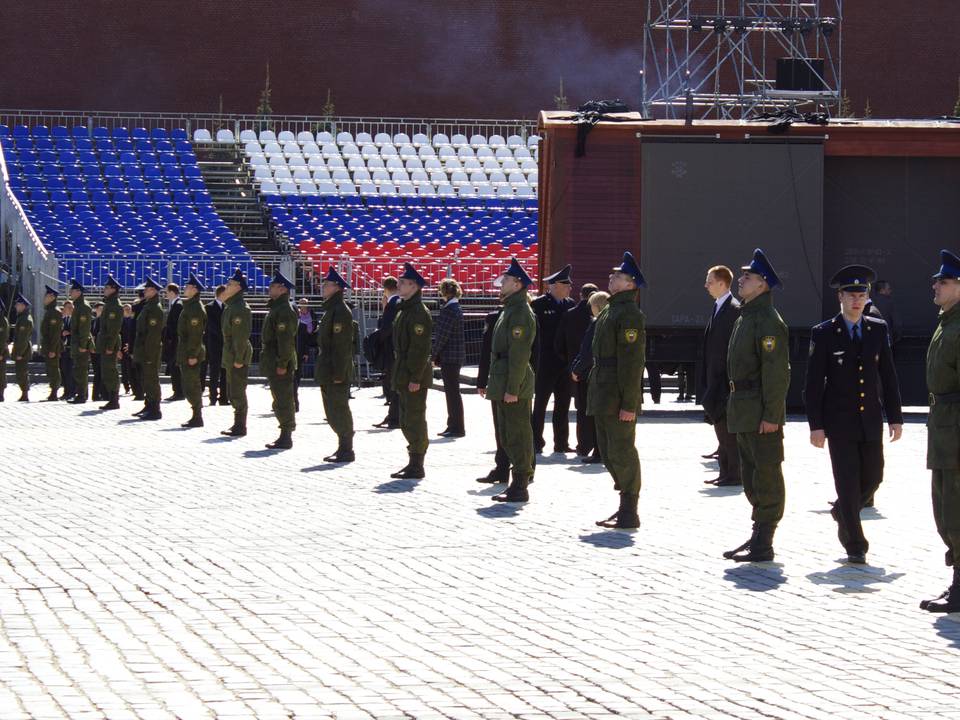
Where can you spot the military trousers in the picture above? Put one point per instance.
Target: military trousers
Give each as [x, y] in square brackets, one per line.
[81, 374]
[413, 418]
[237, 386]
[3, 371]
[191, 375]
[946, 511]
[22, 370]
[281, 390]
[53, 372]
[617, 442]
[760, 470]
[515, 434]
[109, 374]
[150, 376]
[857, 473]
[336, 406]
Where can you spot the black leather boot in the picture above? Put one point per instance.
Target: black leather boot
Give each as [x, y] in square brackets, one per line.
[113, 403]
[196, 420]
[746, 546]
[760, 548]
[626, 517]
[949, 602]
[153, 412]
[516, 490]
[413, 470]
[52, 396]
[344, 453]
[284, 442]
[24, 396]
[497, 476]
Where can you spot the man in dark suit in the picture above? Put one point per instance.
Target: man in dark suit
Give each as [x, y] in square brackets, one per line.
[66, 360]
[851, 384]
[391, 303]
[128, 336]
[552, 373]
[566, 344]
[170, 341]
[213, 339]
[306, 339]
[882, 301]
[713, 383]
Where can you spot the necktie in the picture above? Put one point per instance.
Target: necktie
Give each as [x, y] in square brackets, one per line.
[856, 333]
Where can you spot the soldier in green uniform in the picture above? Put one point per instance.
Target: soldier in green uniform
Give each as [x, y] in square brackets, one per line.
[148, 349]
[510, 383]
[191, 352]
[413, 371]
[23, 345]
[758, 365]
[943, 424]
[4, 347]
[81, 342]
[237, 350]
[613, 394]
[278, 357]
[334, 367]
[109, 344]
[51, 340]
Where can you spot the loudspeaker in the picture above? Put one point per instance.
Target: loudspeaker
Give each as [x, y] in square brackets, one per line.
[800, 74]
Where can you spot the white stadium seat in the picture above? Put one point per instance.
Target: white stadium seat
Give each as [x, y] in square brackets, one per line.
[426, 190]
[485, 191]
[202, 135]
[252, 148]
[289, 188]
[446, 151]
[420, 140]
[522, 154]
[491, 164]
[343, 138]
[368, 188]
[258, 160]
[439, 178]
[472, 165]
[394, 163]
[484, 152]
[459, 141]
[509, 165]
[330, 150]
[503, 153]
[399, 176]
[401, 139]
[496, 141]
[335, 162]
[356, 163]
[381, 139]
[381, 176]
[225, 136]
[478, 141]
[525, 192]
[388, 150]
[419, 177]
[307, 187]
[515, 141]
[310, 149]
[533, 178]
[350, 150]
[282, 174]
[361, 175]
[341, 175]
[478, 178]
[375, 164]
[248, 136]
[387, 189]
[326, 188]
[432, 164]
[296, 161]
[440, 139]
[324, 137]
[414, 164]
[426, 151]
[406, 189]
[517, 179]
[363, 138]
[459, 178]
[321, 174]
[446, 190]
[369, 151]
[408, 151]
[267, 136]
[272, 149]
[278, 161]
[302, 174]
[533, 141]
[268, 187]
[315, 161]
[346, 187]
[529, 165]
[304, 136]
[262, 173]
[286, 136]
[464, 151]
[498, 178]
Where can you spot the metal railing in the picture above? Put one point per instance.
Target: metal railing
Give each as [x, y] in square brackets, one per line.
[294, 123]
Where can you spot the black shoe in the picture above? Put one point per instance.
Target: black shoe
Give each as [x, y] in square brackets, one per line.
[516, 490]
[387, 424]
[284, 442]
[495, 477]
[591, 459]
[195, 421]
[77, 401]
[711, 456]
[728, 483]
[626, 517]
[413, 470]
[857, 558]
[234, 432]
[23, 397]
[67, 397]
[224, 401]
[342, 455]
[760, 546]
[562, 449]
[948, 602]
[152, 412]
[712, 481]
[452, 434]
[51, 397]
[113, 402]
[175, 397]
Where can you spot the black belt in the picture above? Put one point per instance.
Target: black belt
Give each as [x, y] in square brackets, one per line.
[945, 398]
[605, 362]
[743, 385]
[500, 356]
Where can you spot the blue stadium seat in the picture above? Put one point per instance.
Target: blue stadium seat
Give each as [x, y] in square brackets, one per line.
[140, 134]
[40, 131]
[120, 133]
[80, 131]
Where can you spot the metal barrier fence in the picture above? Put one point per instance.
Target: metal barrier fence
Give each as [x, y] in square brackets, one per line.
[294, 123]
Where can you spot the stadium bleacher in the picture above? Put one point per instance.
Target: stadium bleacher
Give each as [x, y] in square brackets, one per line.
[119, 192]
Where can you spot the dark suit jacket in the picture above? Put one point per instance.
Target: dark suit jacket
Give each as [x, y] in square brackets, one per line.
[449, 342]
[713, 385]
[573, 326]
[486, 343]
[170, 331]
[128, 334]
[583, 362]
[213, 335]
[385, 331]
[847, 393]
[548, 312]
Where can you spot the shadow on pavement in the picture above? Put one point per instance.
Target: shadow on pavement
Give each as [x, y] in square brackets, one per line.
[614, 539]
[397, 486]
[853, 579]
[266, 452]
[948, 627]
[500, 510]
[324, 466]
[758, 577]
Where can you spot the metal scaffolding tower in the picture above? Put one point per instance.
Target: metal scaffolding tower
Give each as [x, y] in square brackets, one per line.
[719, 58]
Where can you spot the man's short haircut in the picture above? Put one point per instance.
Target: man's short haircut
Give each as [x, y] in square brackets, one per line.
[881, 285]
[390, 283]
[220, 290]
[599, 300]
[723, 273]
[587, 290]
[173, 287]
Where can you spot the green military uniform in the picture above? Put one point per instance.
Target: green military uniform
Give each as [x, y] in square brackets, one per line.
[278, 351]
[619, 354]
[758, 365]
[412, 329]
[108, 344]
[943, 435]
[236, 323]
[191, 326]
[511, 373]
[148, 350]
[943, 429]
[51, 342]
[334, 372]
[23, 349]
[81, 345]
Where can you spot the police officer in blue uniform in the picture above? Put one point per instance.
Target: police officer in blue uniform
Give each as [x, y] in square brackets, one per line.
[851, 384]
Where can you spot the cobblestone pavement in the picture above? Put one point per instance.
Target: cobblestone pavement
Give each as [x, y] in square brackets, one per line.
[153, 572]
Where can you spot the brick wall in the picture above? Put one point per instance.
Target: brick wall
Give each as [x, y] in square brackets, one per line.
[403, 57]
